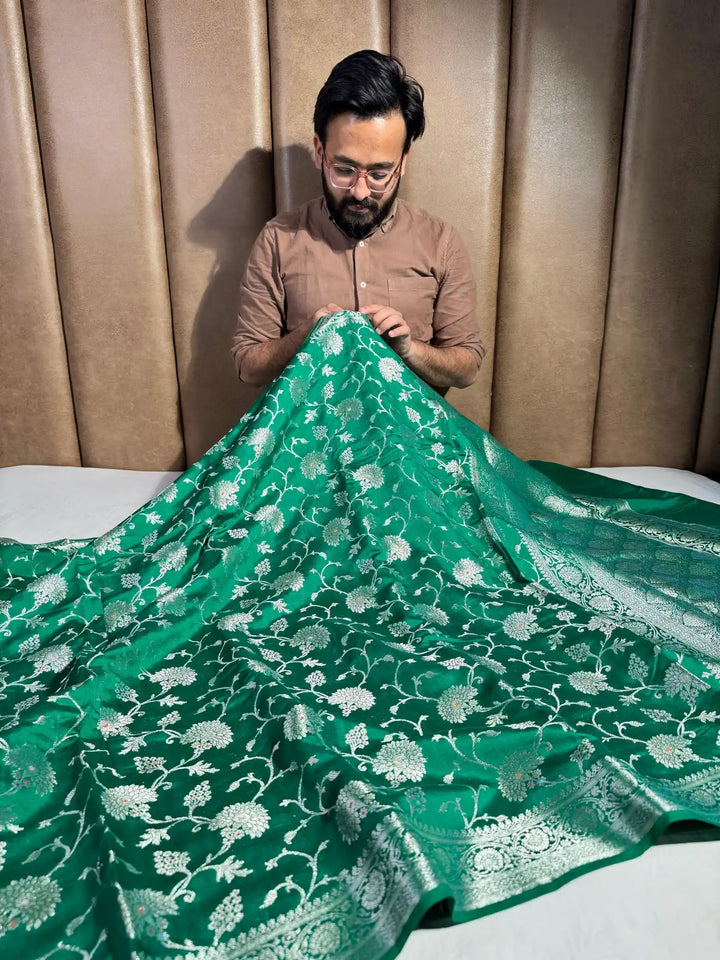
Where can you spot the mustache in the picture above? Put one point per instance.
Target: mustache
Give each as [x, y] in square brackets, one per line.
[367, 204]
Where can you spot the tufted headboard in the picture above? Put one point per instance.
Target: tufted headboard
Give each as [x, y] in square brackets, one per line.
[575, 145]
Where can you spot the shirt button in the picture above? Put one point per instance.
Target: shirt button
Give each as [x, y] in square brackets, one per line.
[363, 284]
[362, 243]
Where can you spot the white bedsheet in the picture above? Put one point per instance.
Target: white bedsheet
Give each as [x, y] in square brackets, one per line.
[661, 906]
[39, 504]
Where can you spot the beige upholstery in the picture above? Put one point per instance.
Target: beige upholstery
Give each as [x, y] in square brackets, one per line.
[574, 145]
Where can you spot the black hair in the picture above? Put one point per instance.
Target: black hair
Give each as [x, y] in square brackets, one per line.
[370, 84]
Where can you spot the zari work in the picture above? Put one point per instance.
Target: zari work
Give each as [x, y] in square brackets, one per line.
[356, 663]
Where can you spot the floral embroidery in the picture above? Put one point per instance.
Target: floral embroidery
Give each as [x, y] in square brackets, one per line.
[30, 900]
[357, 647]
[350, 699]
[241, 820]
[400, 760]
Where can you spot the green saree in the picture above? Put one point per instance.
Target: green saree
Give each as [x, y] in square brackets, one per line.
[356, 666]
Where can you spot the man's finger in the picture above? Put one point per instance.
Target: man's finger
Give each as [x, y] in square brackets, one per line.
[325, 311]
[390, 323]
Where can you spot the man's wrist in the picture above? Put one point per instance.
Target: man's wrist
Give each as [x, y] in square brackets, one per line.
[413, 352]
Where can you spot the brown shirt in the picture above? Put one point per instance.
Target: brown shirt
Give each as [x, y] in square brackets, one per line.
[413, 262]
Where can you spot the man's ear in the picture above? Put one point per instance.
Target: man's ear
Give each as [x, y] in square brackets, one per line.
[317, 151]
[404, 161]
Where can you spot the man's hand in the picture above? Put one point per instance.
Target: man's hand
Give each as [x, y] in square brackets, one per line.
[389, 321]
[324, 311]
[439, 366]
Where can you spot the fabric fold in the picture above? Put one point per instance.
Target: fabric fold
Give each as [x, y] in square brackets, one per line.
[357, 663]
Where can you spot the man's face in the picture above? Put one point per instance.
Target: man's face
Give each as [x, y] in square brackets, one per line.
[375, 144]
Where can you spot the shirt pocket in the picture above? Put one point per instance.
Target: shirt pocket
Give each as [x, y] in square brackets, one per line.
[414, 298]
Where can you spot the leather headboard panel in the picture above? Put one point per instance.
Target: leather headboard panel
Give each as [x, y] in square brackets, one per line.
[95, 119]
[567, 80]
[212, 102]
[306, 40]
[708, 451]
[574, 145]
[666, 252]
[40, 425]
[456, 170]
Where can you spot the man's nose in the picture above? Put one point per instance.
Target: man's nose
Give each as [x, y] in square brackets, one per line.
[360, 191]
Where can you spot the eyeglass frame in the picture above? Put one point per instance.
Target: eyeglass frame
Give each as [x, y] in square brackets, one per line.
[362, 174]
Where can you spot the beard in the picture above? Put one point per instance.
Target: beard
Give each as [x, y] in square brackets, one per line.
[358, 218]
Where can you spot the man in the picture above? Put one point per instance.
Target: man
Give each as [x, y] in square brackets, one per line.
[359, 247]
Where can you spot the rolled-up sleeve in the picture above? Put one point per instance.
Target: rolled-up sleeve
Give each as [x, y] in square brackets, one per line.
[261, 306]
[454, 320]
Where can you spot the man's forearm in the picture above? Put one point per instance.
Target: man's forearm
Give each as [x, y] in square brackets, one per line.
[264, 361]
[442, 366]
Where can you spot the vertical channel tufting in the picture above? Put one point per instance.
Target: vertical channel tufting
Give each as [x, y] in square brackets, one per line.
[210, 79]
[92, 92]
[36, 408]
[455, 171]
[567, 82]
[306, 40]
[707, 459]
[667, 241]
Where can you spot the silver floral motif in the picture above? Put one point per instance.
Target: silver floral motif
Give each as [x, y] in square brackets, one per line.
[518, 773]
[169, 677]
[130, 800]
[31, 768]
[227, 915]
[357, 737]
[300, 722]
[456, 703]
[360, 599]
[390, 369]
[168, 862]
[30, 900]
[400, 760]
[111, 723]
[350, 699]
[235, 621]
[224, 494]
[335, 531]
[396, 548]
[172, 556]
[147, 911]
[270, 517]
[431, 613]
[369, 477]
[118, 615]
[315, 637]
[241, 820]
[289, 581]
[468, 572]
[670, 751]
[353, 804]
[262, 440]
[208, 733]
[52, 659]
[313, 465]
[588, 681]
[52, 588]
[520, 625]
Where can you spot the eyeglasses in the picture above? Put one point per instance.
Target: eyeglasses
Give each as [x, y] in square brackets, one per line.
[344, 177]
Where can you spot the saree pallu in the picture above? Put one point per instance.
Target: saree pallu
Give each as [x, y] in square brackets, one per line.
[357, 666]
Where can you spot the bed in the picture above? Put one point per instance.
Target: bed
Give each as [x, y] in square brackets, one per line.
[664, 901]
[587, 196]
